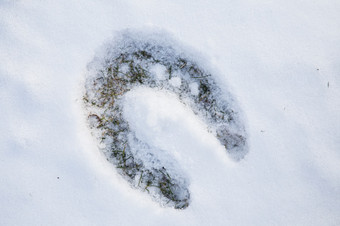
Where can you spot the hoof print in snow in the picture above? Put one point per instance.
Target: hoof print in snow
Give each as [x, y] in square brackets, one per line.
[153, 59]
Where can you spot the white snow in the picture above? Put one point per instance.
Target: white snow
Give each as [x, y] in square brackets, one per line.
[168, 125]
[159, 71]
[278, 58]
[175, 82]
[194, 88]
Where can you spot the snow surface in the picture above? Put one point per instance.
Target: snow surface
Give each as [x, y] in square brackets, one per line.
[280, 59]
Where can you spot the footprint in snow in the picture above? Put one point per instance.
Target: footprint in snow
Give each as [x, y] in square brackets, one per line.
[127, 68]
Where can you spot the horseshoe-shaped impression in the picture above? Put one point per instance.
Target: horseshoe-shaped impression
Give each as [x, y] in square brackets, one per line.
[154, 59]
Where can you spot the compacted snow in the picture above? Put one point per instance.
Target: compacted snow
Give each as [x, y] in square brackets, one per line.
[153, 60]
[279, 60]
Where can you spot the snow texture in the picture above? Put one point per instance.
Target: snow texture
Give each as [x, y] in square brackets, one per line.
[155, 61]
[279, 59]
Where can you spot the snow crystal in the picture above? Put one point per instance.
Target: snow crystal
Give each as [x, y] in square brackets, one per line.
[175, 82]
[159, 71]
[194, 88]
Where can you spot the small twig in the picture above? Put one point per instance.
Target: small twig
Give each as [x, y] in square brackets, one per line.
[140, 179]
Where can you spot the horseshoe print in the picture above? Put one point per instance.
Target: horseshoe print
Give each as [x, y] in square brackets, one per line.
[154, 60]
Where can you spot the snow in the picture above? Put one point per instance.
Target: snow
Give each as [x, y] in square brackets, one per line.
[276, 58]
[159, 71]
[193, 88]
[175, 82]
[164, 122]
